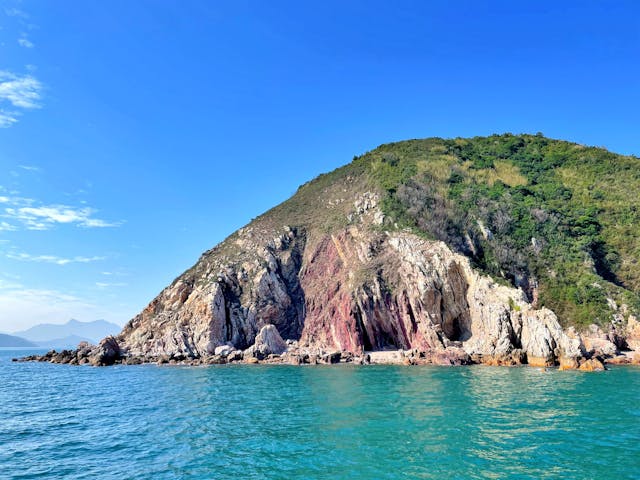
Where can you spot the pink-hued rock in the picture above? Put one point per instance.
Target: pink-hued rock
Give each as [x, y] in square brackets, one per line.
[353, 290]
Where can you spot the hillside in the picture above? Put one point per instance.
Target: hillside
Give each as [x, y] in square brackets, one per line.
[505, 250]
[558, 219]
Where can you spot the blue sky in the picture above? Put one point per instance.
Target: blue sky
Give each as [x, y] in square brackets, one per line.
[137, 134]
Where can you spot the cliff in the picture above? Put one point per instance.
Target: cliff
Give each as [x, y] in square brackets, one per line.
[448, 251]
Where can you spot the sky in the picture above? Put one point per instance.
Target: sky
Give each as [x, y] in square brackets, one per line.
[136, 134]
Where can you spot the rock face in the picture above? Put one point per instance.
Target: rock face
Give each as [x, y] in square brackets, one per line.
[353, 290]
[216, 303]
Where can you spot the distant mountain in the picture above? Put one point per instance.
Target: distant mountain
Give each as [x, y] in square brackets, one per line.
[13, 341]
[73, 331]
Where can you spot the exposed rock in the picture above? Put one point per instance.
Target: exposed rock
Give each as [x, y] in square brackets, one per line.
[632, 333]
[223, 350]
[268, 342]
[215, 360]
[386, 357]
[628, 357]
[592, 365]
[331, 357]
[449, 356]
[107, 352]
[596, 342]
[569, 363]
[514, 358]
[600, 347]
[336, 296]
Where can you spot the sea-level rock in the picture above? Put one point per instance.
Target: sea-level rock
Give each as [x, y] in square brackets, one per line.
[569, 363]
[592, 365]
[223, 350]
[107, 352]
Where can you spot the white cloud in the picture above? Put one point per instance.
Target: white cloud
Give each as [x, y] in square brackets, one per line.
[21, 91]
[25, 42]
[7, 227]
[26, 257]
[8, 119]
[18, 91]
[44, 217]
[30, 168]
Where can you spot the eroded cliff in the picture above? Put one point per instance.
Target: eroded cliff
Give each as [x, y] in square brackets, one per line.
[445, 250]
[353, 290]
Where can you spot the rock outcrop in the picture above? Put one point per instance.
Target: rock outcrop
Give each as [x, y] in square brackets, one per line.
[352, 291]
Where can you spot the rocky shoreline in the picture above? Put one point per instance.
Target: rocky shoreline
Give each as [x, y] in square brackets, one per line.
[598, 351]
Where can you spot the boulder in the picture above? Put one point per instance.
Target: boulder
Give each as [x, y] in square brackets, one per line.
[600, 346]
[223, 350]
[569, 363]
[331, 357]
[106, 353]
[592, 365]
[234, 356]
[450, 356]
[268, 342]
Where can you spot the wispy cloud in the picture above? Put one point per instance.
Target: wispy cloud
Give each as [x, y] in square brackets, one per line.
[44, 217]
[7, 227]
[26, 257]
[104, 285]
[25, 42]
[16, 12]
[8, 118]
[23, 92]
[30, 168]
[9, 284]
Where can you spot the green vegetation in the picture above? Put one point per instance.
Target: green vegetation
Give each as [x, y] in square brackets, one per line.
[560, 220]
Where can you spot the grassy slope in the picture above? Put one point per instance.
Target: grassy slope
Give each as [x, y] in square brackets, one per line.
[528, 210]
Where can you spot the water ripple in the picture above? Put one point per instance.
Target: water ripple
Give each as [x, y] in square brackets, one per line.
[256, 422]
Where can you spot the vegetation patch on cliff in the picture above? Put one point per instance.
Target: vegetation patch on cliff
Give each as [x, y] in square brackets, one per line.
[558, 219]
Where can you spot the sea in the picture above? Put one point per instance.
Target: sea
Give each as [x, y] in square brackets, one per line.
[316, 422]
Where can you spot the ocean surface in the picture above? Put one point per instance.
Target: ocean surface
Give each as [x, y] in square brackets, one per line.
[316, 422]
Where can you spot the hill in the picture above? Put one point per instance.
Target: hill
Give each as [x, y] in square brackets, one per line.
[504, 249]
[555, 218]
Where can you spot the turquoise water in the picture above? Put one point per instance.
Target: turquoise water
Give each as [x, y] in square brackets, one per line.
[280, 422]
